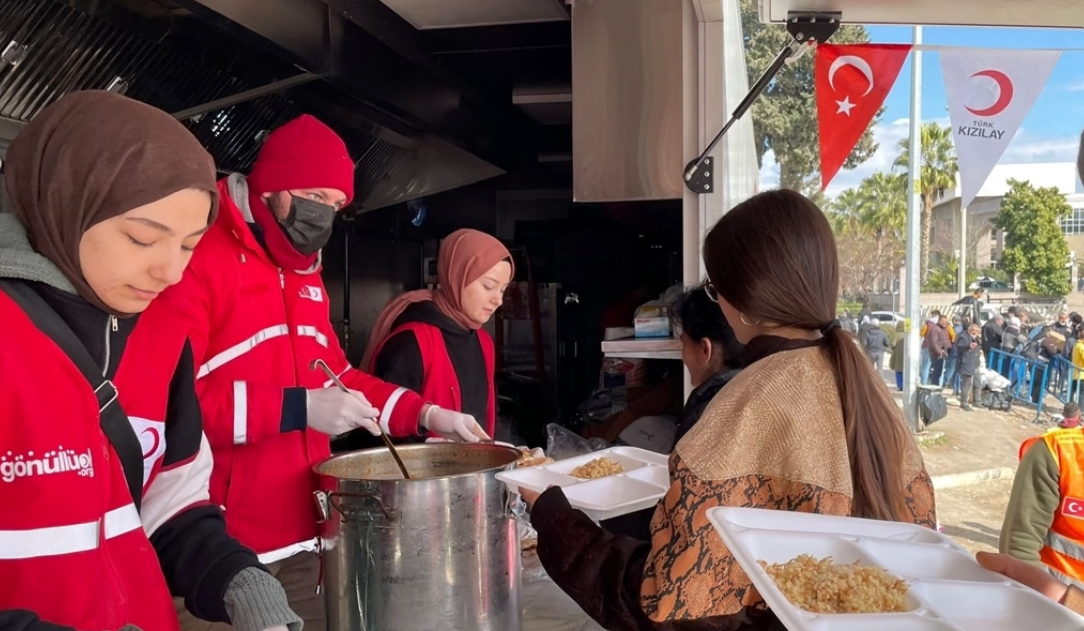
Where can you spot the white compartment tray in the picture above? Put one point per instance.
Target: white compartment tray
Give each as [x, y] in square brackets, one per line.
[949, 590]
[641, 486]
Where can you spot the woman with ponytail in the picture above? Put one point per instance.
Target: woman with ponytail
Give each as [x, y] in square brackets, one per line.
[808, 426]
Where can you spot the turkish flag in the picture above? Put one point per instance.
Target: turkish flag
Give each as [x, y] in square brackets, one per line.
[1073, 507]
[852, 83]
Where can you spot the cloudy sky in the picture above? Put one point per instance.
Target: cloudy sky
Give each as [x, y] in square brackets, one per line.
[1051, 132]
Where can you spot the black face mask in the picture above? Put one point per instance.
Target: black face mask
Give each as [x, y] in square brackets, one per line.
[308, 225]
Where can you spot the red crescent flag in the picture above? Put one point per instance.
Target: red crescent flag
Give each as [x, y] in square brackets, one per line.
[852, 83]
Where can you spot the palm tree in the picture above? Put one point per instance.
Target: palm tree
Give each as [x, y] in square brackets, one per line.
[939, 169]
[884, 203]
[845, 212]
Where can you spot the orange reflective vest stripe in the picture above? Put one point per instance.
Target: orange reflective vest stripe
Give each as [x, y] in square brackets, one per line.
[1063, 549]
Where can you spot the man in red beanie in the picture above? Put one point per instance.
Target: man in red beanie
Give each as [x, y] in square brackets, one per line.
[256, 311]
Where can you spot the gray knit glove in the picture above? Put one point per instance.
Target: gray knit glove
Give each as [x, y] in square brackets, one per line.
[256, 601]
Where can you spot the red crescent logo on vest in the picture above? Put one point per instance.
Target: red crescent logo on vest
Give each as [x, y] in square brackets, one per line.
[312, 293]
[1004, 97]
[156, 439]
[1073, 507]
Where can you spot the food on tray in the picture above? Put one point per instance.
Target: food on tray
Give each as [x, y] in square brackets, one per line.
[535, 462]
[529, 545]
[823, 586]
[533, 458]
[597, 468]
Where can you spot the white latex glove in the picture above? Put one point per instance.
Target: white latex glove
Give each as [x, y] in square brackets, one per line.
[452, 425]
[333, 412]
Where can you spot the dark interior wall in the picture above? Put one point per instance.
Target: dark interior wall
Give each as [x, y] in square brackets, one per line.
[380, 269]
[602, 253]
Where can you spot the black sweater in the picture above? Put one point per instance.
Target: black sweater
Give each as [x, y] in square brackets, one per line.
[400, 362]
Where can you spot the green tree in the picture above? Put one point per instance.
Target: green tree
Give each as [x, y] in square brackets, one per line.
[884, 208]
[943, 278]
[785, 115]
[939, 169]
[878, 206]
[844, 212]
[869, 223]
[1034, 244]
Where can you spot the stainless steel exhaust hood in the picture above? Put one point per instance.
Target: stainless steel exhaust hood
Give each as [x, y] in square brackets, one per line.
[180, 63]
[626, 100]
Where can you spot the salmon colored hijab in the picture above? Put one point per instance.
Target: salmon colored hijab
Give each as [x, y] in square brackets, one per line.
[464, 256]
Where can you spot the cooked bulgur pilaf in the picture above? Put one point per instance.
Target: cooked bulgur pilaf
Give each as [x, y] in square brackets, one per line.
[597, 468]
[823, 586]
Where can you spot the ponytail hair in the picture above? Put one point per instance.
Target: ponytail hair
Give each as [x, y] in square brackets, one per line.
[773, 257]
[876, 435]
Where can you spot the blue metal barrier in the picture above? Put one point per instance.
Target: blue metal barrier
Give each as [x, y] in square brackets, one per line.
[1065, 380]
[1028, 378]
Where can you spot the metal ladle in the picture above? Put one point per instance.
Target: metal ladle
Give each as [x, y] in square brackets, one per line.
[319, 363]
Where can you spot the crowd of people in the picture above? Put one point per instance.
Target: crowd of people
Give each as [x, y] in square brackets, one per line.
[955, 349]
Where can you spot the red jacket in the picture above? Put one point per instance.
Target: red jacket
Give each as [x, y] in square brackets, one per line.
[254, 330]
[72, 546]
[439, 382]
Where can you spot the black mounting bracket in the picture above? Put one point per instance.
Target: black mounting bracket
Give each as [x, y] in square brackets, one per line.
[703, 177]
[807, 29]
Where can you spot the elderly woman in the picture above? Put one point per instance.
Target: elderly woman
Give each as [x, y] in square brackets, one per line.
[712, 355]
[807, 426]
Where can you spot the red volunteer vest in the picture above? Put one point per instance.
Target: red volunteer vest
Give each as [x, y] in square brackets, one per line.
[72, 547]
[440, 385]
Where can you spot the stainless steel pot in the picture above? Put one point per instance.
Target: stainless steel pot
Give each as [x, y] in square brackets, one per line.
[438, 552]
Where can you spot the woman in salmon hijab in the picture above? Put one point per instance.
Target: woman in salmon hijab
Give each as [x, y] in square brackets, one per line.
[432, 342]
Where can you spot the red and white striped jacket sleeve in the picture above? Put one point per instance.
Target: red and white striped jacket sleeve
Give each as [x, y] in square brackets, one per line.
[234, 412]
[399, 407]
[239, 412]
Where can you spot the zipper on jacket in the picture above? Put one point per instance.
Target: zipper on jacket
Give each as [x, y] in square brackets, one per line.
[298, 371]
[110, 329]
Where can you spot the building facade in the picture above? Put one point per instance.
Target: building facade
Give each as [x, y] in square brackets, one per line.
[984, 243]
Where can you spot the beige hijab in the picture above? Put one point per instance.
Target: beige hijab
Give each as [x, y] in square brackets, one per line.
[464, 256]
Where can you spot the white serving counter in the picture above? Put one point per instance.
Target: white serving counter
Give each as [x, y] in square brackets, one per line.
[546, 607]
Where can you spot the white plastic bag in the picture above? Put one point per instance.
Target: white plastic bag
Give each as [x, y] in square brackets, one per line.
[993, 380]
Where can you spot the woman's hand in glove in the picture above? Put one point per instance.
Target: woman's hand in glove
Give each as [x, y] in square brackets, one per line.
[333, 412]
[452, 425]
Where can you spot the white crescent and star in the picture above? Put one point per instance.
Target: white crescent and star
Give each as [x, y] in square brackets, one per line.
[859, 64]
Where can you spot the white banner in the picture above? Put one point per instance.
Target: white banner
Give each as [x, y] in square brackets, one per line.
[990, 93]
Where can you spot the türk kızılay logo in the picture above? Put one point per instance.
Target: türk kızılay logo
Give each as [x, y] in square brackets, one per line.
[15, 466]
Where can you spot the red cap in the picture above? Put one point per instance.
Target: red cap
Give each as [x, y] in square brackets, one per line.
[303, 153]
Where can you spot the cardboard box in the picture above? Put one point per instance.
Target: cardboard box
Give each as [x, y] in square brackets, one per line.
[652, 327]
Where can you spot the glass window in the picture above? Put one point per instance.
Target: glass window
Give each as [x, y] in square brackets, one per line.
[1074, 223]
